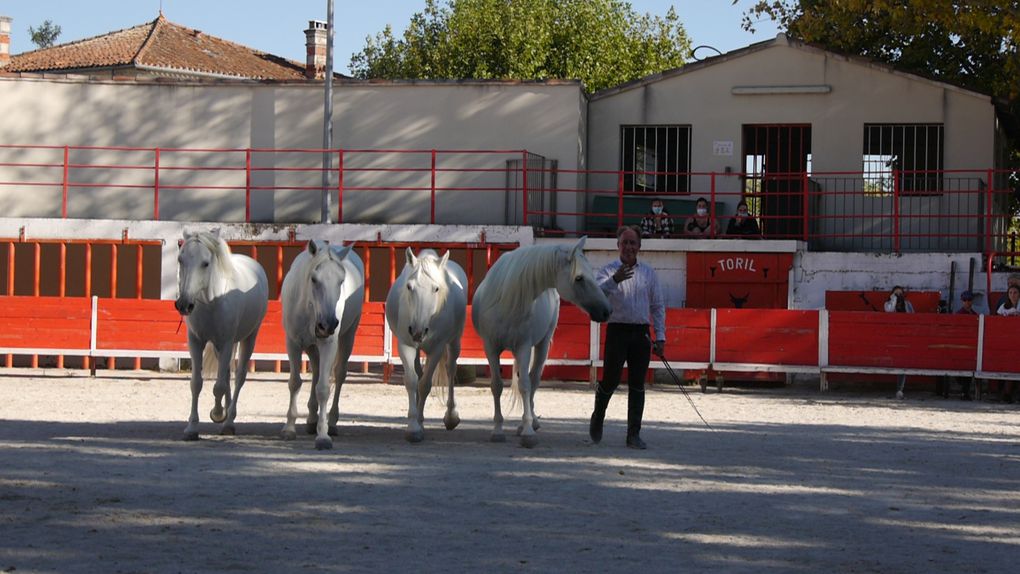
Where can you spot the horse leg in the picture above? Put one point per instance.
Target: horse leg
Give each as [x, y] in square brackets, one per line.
[346, 346]
[452, 419]
[496, 385]
[294, 385]
[414, 431]
[537, 365]
[522, 358]
[244, 351]
[327, 358]
[312, 421]
[195, 348]
[221, 389]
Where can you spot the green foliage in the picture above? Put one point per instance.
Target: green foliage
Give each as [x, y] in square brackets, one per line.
[603, 43]
[45, 34]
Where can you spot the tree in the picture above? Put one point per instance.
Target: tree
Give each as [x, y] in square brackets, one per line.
[600, 42]
[45, 34]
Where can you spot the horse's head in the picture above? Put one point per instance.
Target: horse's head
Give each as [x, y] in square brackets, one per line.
[576, 283]
[326, 275]
[425, 291]
[196, 271]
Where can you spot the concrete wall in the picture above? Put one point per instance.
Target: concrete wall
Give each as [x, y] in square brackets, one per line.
[543, 118]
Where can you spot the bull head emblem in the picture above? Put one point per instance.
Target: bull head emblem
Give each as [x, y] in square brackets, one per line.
[738, 302]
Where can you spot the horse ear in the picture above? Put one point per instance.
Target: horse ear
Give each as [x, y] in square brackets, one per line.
[313, 248]
[446, 257]
[411, 259]
[187, 235]
[579, 246]
[215, 232]
[341, 252]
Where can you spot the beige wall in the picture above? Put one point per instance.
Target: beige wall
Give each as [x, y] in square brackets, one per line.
[542, 118]
[702, 97]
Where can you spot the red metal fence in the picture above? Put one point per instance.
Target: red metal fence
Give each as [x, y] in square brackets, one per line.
[902, 210]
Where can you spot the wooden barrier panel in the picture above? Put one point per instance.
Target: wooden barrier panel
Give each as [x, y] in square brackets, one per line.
[368, 342]
[688, 335]
[766, 336]
[139, 325]
[903, 340]
[999, 351]
[61, 323]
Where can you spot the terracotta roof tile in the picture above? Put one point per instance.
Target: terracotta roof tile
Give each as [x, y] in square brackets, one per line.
[164, 45]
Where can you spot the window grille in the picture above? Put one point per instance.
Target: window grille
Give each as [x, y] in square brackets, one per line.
[656, 158]
[912, 150]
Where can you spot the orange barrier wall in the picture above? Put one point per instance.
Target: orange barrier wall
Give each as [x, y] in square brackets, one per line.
[767, 336]
[898, 340]
[139, 325]
[46, 323]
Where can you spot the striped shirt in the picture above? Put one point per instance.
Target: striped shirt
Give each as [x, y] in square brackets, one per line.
[636, 299]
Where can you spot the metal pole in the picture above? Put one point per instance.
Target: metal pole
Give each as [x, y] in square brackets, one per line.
[327, 119]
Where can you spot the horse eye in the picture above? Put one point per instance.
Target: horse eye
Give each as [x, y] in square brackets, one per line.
[409, 287]
[205, 264]
[435, 289]
[315, 281]
[579, 278]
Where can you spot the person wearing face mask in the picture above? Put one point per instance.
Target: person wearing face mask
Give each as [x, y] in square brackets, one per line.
[701, 224]
[898, 303]
[1009, 390]
[743, 224]
[658, 223]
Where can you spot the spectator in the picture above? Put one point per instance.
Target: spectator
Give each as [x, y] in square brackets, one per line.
[658, 223]
[1011, 303]
[898, 303]
[743, 224]
[1013, 279]
[966, 308]
[701, 223]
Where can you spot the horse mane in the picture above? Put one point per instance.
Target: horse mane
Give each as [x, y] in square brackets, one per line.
[219, 248]
[522, 275]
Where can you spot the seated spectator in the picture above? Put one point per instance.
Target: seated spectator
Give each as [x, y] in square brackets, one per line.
[701, 223]
[966, 308]
[1011, 305]
[743, 224]
[1013, 279]
[898, 303]
[658, 223]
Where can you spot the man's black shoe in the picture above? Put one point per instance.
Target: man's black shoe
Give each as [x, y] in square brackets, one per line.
[636, 442]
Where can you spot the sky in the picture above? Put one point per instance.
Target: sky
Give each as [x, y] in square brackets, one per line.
[277, 26]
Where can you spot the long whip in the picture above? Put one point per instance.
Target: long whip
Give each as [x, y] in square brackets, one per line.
[687, 395]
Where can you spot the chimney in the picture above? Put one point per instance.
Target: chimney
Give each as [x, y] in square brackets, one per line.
[315, 44]
[5, 40]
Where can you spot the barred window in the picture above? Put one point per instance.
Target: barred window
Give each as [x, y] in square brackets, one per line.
[656, 158]
[912, 150]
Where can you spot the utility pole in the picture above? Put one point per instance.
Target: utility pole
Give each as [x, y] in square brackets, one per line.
[327, 119]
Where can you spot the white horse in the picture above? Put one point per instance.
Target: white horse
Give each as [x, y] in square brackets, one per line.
[516, 307]
[425, 309]
[222, 296]
[321, 296]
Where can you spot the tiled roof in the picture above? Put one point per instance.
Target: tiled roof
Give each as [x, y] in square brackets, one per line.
[163, 45]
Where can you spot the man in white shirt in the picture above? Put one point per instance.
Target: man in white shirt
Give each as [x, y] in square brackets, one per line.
[633, 290]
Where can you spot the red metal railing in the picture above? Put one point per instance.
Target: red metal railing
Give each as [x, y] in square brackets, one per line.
[900, 211]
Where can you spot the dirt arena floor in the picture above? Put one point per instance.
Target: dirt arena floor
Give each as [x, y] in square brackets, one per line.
[94, 478]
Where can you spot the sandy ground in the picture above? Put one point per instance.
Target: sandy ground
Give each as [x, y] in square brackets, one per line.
[94, 478]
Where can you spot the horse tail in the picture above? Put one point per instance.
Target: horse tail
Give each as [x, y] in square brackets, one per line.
[211, 360]
[441, 376]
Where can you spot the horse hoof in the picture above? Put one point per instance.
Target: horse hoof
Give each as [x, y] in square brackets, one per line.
[289, 435]
[218, 415]
[228, 431]
[190, 436]
[529, 441]
[451, 422]
[497, 437]
[323, 444]
[414, 437]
